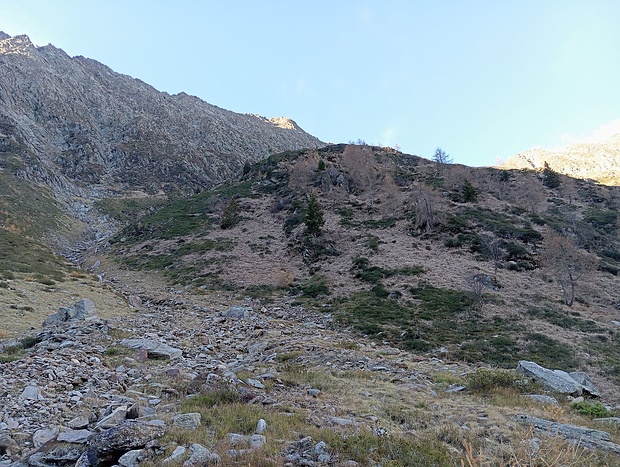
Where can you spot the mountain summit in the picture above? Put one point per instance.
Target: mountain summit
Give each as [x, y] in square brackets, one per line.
[78, 127]
[596, 161]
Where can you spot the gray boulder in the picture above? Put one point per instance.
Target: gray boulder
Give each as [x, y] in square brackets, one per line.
[238, 312]
[132, 458]
[74, 436]
[585, 437]
[188, 421]
[104, 447]
[586, 382]
[199, 455]
[83, 309]
[154, 348]
[556, 380]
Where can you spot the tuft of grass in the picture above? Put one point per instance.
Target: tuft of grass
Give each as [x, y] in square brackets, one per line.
[128, 210]
[487, 380]
[374, 274]
[561, 319]
[388, 449]
[315, 287]
[23, 255]
[216, 397]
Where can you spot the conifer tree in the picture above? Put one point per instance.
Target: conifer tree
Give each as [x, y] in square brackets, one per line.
[314, 219]
[230, 217]
[551, 179]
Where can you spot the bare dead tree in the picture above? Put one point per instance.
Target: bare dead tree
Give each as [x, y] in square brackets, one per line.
[493, 248]
[567, 263]
[425, 209]
[361, 167]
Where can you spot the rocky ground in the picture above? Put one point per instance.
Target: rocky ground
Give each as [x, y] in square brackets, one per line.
[90, 390]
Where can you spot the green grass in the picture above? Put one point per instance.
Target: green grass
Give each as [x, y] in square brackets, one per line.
[563, 320]
[29, 209]
[485, 380]
[194, 215]
[314, 287]
[172, 264]
[431, 317]
[128, 209]
[594, 409]
[23, 255]
[374, 274]
[389, 450]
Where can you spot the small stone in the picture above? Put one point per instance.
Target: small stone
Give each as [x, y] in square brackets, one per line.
[314, 392]
[132, 458]
[188, 421]
[342, 421]
[8, 444]
[255, 383]
[257, 441]
[74, 436]
[261, 426]
[134, 301]
[42, 436]
[78, 422]
[199, 455]
[32, 393]
[116, 417]
[543, 399]
[238, 312]
[237, 440]
[176, 456]
[141, 355]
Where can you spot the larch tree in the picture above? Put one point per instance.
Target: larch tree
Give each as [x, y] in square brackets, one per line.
[567, 263]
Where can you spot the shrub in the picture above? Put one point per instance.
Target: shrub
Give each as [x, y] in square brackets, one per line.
[469, 194]
[230, 217]
[315, 287]
[591, 409]
[486, 380]
[551, 179]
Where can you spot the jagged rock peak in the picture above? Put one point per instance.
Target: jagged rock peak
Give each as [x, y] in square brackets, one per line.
[15, 45]
[82, 129]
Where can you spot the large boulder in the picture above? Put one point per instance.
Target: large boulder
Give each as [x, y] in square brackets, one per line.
[83, 309]
[575, 384]
[106, 447]
[155, 349]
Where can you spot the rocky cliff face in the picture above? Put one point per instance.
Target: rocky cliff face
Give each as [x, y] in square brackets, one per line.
[596, 161]
[84, 130]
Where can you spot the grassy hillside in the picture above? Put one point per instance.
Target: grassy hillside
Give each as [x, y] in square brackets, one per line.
[471, 263]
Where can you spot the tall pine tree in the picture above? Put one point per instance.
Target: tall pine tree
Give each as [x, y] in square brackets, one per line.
[314, 219]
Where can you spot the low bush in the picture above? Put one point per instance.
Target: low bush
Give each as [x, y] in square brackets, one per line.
[592, 409]
[486, 380]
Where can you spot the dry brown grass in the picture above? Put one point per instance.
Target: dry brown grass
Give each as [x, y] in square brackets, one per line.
[26, 303]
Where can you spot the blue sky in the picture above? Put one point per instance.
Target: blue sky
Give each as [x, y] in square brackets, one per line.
[480, 79]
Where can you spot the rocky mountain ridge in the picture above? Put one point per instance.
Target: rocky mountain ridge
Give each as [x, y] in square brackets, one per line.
[85, 131]
[595, 161]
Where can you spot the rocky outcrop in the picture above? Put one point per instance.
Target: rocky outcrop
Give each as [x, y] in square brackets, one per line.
[584, 437]
[83, 309]
[82, 129]
[575, 383]
[597, 161]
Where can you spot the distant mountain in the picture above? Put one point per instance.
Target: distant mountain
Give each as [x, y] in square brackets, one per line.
[596, 161]
[85, 131]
